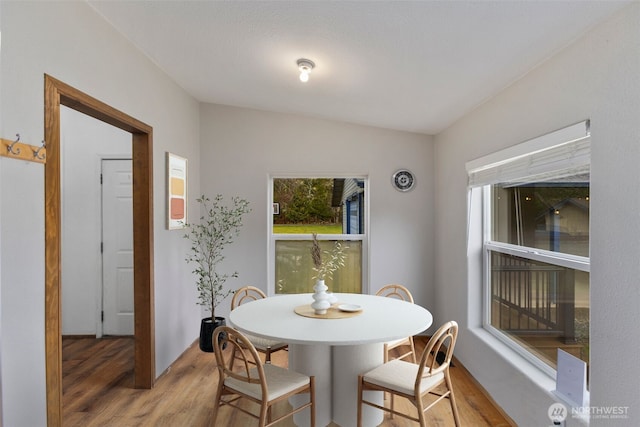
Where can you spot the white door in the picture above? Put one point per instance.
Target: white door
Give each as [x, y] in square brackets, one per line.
[117, 247]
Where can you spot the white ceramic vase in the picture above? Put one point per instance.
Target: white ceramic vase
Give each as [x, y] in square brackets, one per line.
[320, 302]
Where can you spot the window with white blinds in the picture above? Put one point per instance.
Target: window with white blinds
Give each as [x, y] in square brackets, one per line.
[563, 153]
[534, 241]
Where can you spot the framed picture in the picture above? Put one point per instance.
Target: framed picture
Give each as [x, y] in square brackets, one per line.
[176, 191]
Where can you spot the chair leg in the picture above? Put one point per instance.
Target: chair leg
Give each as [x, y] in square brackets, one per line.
[385, 359]
[392, 404]
[267, 355]
[452, 399]
[422, 416]
[360, 401]
[264, 410]
[312, 396]
[216, 404]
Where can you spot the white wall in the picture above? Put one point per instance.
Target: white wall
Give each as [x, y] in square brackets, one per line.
[85, 141]
[242, 147]
[596, 78]
[69, 41]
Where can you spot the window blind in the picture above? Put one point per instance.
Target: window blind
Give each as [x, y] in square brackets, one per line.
[554, 156]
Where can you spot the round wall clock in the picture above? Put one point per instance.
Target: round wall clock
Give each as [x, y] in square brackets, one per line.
[403, 180]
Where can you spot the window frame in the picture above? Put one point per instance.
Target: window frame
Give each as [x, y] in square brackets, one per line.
[483, 242]
[271, 237]
[561, 259]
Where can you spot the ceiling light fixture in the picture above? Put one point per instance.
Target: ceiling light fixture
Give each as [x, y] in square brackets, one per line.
[305, 66]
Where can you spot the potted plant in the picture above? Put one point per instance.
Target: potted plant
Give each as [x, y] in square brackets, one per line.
[218, 226]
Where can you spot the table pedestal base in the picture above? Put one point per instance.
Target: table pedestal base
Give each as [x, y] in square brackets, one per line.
[349, 361]
[336, 369]
[313, 360]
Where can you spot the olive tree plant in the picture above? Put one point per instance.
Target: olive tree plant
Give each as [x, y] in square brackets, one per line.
[218, 226]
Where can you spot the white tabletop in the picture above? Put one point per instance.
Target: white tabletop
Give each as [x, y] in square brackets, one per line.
[381, 319]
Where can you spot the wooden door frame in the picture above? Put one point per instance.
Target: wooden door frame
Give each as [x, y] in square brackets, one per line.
[57, 93]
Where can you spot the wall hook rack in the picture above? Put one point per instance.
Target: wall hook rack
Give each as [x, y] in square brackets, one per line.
[18, 150]
[41, 152]
[10, 147]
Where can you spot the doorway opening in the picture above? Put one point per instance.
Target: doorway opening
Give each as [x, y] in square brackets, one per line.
[116, 290]
[57, 93]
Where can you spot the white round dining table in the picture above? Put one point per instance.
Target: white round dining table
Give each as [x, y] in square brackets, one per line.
[334, 350]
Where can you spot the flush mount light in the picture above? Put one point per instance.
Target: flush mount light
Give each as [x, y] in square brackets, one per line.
[305, 66]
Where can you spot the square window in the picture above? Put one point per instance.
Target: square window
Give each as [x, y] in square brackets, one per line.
[333, 208]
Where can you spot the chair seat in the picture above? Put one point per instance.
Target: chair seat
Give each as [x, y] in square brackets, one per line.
[264, 384]
[400, 376]
[264, 343]
[280, 381]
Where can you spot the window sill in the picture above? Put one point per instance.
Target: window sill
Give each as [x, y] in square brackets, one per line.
[536, 376]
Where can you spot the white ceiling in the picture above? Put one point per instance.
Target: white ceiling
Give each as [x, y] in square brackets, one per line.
[414, 65]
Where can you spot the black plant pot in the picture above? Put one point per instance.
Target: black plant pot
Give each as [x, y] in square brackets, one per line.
[207, 326]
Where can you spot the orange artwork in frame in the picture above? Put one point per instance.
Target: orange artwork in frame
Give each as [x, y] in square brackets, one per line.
[176, 191]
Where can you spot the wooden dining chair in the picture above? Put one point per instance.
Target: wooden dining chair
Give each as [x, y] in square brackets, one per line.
[399, 292]
[263, 384]
[415, 381]
[247, 294]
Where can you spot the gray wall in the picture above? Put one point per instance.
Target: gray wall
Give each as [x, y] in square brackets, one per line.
[596, 78]
[233, 151]
[69, 41]
[242, 147]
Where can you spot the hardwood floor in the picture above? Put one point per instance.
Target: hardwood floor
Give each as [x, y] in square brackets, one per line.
[98, 391]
